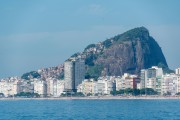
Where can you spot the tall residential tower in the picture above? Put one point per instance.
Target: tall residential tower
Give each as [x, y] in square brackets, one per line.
[74, 73]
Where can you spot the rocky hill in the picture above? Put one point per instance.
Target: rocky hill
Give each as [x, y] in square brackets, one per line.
[125, 53]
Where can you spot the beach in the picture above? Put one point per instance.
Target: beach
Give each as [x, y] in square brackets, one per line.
[98, 98]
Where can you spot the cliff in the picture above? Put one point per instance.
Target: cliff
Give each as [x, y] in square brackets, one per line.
[128, 52]
[125, 53]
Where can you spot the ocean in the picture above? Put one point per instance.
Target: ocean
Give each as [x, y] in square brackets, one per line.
[89, 109]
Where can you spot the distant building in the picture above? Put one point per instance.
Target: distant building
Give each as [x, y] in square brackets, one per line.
[178, 71]
[74, 73]
[127, 81]
[27, 86]
[105, 85]
[143, 78]
[149, 77]
[169, 84]
[178, 84]
[10, 87]
[40, 87]
[56, 87]
[87, 87]
[151, 83]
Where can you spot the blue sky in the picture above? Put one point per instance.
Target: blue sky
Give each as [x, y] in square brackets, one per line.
[42, 33]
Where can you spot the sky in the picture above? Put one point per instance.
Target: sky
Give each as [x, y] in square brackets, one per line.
[36, 34]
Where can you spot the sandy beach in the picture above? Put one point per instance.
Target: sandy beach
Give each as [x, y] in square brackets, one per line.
[99, 98]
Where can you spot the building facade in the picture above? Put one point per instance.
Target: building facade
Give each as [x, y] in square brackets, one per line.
[178, 71]
[10, 87]
[127, 81]
[56, 87]
[74, 73]
[87, 87]
[151, 77]
[40, 87]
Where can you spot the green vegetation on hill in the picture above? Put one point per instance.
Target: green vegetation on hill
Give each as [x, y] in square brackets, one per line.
[132, 34]
[107, 43]
[90, 59]
[90, 46]
[94, 72]
[29, 75]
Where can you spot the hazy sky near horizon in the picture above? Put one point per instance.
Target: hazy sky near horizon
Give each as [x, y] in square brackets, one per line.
[43, 33]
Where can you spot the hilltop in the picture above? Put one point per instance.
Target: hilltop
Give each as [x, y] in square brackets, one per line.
[128, 52]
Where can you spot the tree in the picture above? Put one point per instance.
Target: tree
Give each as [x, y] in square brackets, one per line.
[29, 75]
[89, 94]
[148, 91]
[135, 92]
[167, 94]
[1, 94]
[94, 72]
[27, 94]
[90, 46]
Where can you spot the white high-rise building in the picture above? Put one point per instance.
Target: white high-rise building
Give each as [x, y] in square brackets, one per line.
[104, 87]
[127, 81]
[10, 87]
[169, 84]
[149, 75]
[178, 84]
[151, 83]
[178, 71]
[40, 87]
[74, 73]
[56, 87]
[143, 78]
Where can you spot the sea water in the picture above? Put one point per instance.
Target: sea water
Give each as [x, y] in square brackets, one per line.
[89, 109]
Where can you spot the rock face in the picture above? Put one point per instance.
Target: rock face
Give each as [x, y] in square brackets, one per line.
[125, 53]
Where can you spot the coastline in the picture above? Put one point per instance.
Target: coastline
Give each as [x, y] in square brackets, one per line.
[101, 98]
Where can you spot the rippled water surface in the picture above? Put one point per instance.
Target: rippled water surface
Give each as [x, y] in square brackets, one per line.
[89, 109]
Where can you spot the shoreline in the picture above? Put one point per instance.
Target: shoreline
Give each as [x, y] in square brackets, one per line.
[101, 98]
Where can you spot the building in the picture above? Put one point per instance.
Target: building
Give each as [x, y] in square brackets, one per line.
[151, 83]
[178, 84]
[40, 87]
[127, 81]
[143, 78]
[149, 77]
[56, 87]
[158, 84]
[178, 71]
[104, 86]
[27, 86]
[10, 87]
[74, 73]
[87, 87]
[169, 84]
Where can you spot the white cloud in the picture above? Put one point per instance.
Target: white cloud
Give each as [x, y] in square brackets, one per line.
[93, 9]
[96, 9]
